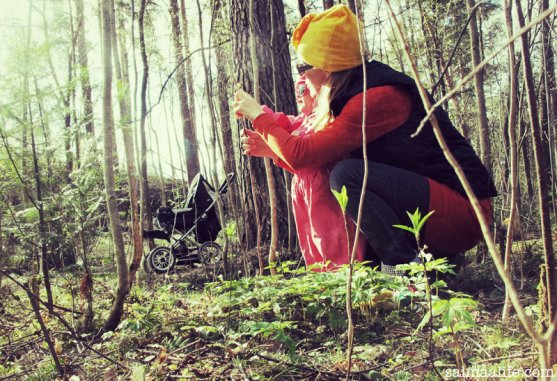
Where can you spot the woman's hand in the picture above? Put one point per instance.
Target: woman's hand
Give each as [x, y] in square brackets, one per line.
[245, 106]
[254, 145]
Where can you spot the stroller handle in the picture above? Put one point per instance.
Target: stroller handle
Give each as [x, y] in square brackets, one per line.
[223, 188]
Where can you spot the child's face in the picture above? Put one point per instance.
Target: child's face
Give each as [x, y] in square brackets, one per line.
[303, 98]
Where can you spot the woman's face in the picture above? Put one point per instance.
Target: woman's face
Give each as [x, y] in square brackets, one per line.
[315, 79]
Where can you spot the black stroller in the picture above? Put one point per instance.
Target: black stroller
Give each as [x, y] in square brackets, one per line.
[193, 229]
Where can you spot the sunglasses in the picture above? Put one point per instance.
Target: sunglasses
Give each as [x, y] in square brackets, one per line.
[301, 90]
[302, 68]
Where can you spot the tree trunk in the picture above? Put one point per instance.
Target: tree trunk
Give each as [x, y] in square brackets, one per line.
[2, 252]
[188, 68]
[542, 182]
[146, 215]
[513, 152]
[328, 4]
[127, 135]
[485, 148]
[122, 289]
[45, 262]
[550, 87]
[243, 70]
[525, 148]
[188, 124]
[302, 8]
[84, 70]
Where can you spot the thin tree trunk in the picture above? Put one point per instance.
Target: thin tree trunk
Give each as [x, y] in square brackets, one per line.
[214, 134]
[513, 153]
[2, 252]
[328, 4]
[188, 66]
[45, 128]
[127, 135]
[485, 148]
[26, 74]
[551, 103]
[42, 223]
[271, 184]
[302, 8]
[84, 70]
[122, 289]
[542, 182]
[188, 125]
[146, 218]
[526, 158]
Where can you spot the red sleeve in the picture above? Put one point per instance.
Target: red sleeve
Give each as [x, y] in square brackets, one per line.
[284, 121]
[278, 162]
[387, 108]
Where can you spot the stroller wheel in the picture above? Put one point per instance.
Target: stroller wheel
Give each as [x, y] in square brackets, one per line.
[161, 259]
[210, 253]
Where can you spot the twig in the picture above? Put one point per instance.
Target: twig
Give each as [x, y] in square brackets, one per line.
[63, 321]
[184, 347]
[361, 201]
[44, 329]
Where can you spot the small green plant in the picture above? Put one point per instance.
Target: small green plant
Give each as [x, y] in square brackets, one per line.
[418, 223]
[455, 312]
[342, 198]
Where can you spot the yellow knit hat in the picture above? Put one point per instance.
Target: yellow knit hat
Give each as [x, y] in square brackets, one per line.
[329, 40]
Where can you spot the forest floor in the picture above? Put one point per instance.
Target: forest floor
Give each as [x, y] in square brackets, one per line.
[194, 325]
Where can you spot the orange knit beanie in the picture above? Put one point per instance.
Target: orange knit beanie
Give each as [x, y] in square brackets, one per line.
[329, 40]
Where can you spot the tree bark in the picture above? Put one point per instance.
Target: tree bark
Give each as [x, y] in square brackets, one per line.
[243, 70]
[485, 147]
[542, 182]
[122, 289]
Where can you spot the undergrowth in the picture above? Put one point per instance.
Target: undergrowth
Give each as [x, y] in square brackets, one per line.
[288, 326]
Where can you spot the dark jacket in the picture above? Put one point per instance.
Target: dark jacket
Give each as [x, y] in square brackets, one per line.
[421, 154]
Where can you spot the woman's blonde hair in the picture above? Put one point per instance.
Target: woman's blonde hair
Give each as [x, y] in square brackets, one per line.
[335, 86]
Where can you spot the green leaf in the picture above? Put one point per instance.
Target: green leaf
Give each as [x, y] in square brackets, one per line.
[138, 372]
[342, 198]
[404, 227]
[423, 221]
[424, 321]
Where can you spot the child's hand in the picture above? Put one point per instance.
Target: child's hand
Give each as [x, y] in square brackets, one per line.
[254, 145]
[245, 106]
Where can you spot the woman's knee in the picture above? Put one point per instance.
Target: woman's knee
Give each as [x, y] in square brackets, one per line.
[344, 172]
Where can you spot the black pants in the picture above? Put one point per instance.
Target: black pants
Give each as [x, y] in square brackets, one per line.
[389, 194]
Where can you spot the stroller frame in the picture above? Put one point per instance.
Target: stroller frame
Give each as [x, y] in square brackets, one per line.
[184, 248]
